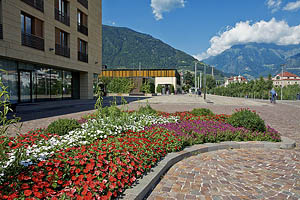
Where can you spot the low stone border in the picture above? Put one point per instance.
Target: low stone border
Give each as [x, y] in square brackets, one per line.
[146, 184]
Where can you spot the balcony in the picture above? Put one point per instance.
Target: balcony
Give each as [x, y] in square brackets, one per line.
[85, 3]
[62, 50]
[1, 32]
[33, 41]
[83, 57]
[62, 17]
[38, 4]
[82, 29]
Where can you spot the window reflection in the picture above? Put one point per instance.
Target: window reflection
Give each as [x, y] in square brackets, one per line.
[56, 84]
[67, 85]
[10, 78]
[42, 84]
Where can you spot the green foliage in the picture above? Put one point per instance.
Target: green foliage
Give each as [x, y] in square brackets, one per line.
[247, 119]
[147, 110]
[111, 111]
[148, 87]
[172, 89]
[120, 85]
[123, 47]
[5, 123]
[201, 111]
[159, 88]
[63, 126]
[258, 89]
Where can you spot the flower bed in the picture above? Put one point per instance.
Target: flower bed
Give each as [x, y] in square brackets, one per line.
[106, 156]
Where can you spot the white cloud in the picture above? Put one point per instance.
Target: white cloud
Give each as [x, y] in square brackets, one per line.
[274, 5]
[292, 6]
[161, 6]
[273, 31]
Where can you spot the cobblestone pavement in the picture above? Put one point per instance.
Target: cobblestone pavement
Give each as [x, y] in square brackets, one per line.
[240, 173]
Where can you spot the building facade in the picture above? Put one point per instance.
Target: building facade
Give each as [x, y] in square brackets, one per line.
[285, 79]
[236, 79]
[165, 77]
[50, 49]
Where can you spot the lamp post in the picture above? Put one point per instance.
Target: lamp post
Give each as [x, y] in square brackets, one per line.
[195, 76]
[282, 65]
[204, 81]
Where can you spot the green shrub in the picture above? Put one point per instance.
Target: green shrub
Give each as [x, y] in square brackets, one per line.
[247, 119]
[201, 111]
[147, 110]
[159, 89]
[172, 89]
[111, 111]
[120, 85]
[63, 126]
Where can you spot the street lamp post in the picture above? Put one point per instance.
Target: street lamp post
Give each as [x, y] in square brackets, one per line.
[282, 65]
[204, 81]
[195, 76]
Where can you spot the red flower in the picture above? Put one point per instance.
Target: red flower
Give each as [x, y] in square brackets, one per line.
[27, 193]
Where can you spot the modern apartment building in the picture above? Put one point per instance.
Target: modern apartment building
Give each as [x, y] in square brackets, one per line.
[50, 49]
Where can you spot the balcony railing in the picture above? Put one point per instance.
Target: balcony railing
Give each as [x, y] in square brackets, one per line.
[83, 57]
[38, 4]
[62, 50]
[62, 17]
[85, 3]
[33, 41]
[82, 29]
[1, 31]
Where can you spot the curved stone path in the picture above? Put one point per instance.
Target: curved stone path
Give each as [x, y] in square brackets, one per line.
[238, 173]
[233, 174]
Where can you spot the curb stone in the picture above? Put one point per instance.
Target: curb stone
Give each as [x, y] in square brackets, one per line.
[147, 183]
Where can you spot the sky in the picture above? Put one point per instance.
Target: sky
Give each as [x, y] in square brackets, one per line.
[204, 28]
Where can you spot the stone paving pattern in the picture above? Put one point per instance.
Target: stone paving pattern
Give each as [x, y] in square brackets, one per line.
[240, 173]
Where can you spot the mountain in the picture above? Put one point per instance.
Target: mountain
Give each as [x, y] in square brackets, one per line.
[257, 59]
[126, 48]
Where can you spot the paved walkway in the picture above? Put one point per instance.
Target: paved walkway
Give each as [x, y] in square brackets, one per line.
[236, 174]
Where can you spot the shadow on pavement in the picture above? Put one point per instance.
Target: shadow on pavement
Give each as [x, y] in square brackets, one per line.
[38, 110]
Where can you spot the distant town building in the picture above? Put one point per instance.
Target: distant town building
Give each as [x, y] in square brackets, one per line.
[285, 78]
[236, 79]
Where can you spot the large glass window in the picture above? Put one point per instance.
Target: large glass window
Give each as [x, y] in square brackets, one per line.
[67, 84]
[56, 84]
[42, 84]
[10, 78]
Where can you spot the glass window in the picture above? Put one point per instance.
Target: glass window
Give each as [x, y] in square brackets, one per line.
[56, 84]
[67, 84]
[42, 83]
[10, 78]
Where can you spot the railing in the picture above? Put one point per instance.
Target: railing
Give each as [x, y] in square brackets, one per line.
[83, 57]
[33, 41]
[1, 31]
[62, 17]
[62, 50]
[85, 3]
[38, 4]
[82, 29]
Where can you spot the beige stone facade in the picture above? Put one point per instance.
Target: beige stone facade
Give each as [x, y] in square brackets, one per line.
[12, 48]
[285, 79]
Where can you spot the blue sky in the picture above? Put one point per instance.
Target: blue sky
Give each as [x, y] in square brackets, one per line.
[205, 28]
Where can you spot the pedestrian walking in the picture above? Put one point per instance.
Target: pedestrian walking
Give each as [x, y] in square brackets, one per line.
[273, 96]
